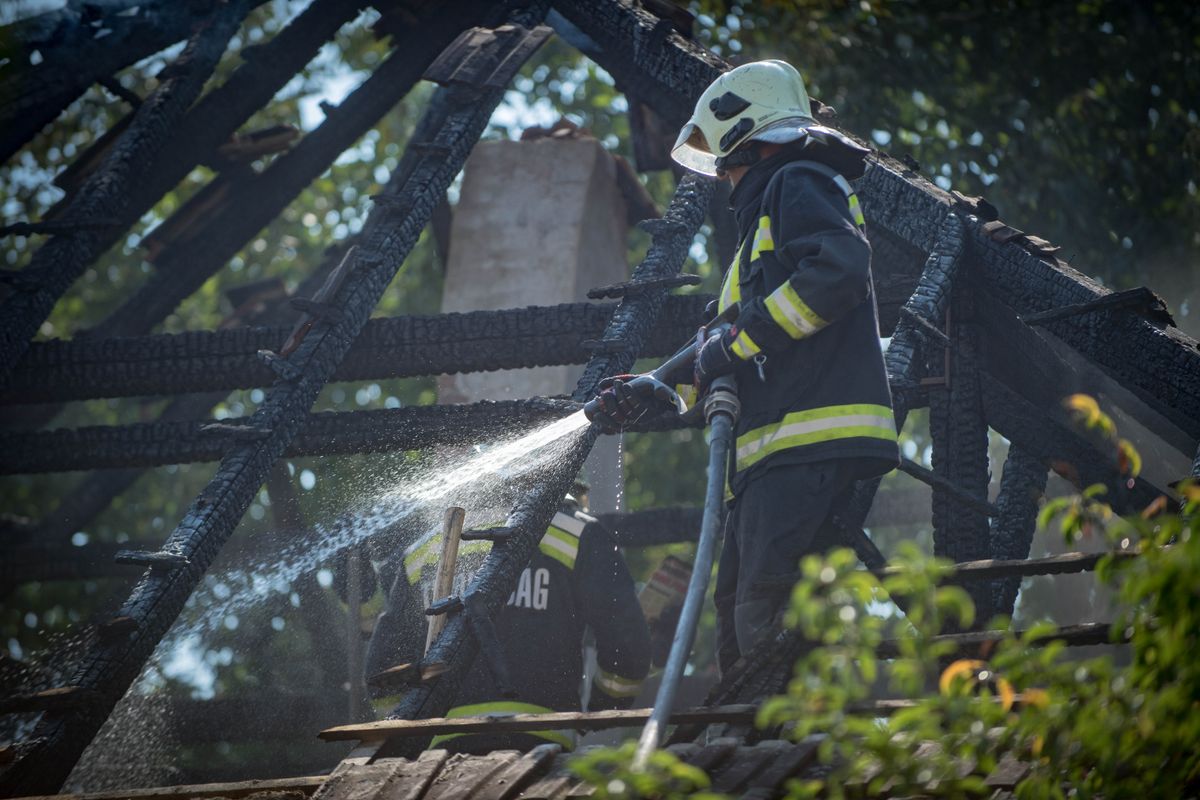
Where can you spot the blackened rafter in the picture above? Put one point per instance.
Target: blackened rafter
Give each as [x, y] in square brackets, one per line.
[396, 347]
[104, 196]
[255, 198]
[959, 434]
[75, 53]
[325, 433]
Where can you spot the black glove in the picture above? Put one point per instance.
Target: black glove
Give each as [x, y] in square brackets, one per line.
[621, 402]
[715, 359]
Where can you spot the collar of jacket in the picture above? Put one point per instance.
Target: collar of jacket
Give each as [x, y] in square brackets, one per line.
[839, 154]
[746, 197]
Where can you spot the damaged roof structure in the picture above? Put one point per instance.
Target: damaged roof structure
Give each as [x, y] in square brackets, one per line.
[989, 328]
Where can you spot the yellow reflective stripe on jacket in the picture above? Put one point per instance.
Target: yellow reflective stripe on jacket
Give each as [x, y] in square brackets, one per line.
[763, 241]
[561, 541]
[852, 199]
[744, 347]
[615, 685]
[568, 523]
[731, 291]
[815, 425]
[505, 708]
[687, 393]
[793, 314]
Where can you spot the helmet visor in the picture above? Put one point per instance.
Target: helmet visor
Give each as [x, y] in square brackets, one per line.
[691, 151]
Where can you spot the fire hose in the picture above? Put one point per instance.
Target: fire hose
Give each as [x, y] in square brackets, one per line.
[721, 411]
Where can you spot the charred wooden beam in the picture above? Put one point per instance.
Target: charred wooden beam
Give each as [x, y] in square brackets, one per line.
[39, 563]
[95, 492]
[62, 259]
[1145, 302]
[663, 68]
[1046, 434]
[325, 433]
[390, 234]
[397, 347]
[75, 53]
[208, 129]
[1161, 366]
[955, 492]
[1084, 635]
[1045, 371]
[1021, 487]
[631, 322]
[959, 432]
[257, 198]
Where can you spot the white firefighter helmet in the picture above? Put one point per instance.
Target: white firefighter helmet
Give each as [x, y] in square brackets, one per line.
[762, 101]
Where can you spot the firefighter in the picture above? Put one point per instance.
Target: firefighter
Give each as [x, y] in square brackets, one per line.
[805, 350]
[576, 581]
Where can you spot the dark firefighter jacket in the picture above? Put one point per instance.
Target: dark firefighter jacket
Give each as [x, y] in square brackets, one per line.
[577, 579]
[802, 276]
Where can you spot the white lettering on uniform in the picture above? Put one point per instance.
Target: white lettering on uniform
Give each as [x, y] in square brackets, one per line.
[541, 588]
[533, 590]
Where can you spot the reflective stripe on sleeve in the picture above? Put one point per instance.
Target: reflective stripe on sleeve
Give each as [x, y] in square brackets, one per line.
[744, 347]
[852, 199]
[687, 393]
[615, 685]
[568, 523]
[793, 314]
[802, 428]
[505, 708]
[561, 546]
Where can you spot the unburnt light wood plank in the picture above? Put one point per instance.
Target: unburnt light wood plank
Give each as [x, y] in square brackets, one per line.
[581, 720]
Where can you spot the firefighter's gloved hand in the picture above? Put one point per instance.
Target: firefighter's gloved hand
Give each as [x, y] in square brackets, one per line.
[715, 359]
[622, 402]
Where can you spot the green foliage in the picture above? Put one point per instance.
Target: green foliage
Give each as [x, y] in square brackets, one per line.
[665, 776]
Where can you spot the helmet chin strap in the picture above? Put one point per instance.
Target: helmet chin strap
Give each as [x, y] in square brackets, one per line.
[745, 156]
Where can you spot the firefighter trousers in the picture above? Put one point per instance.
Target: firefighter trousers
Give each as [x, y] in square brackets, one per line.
[781, 515]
